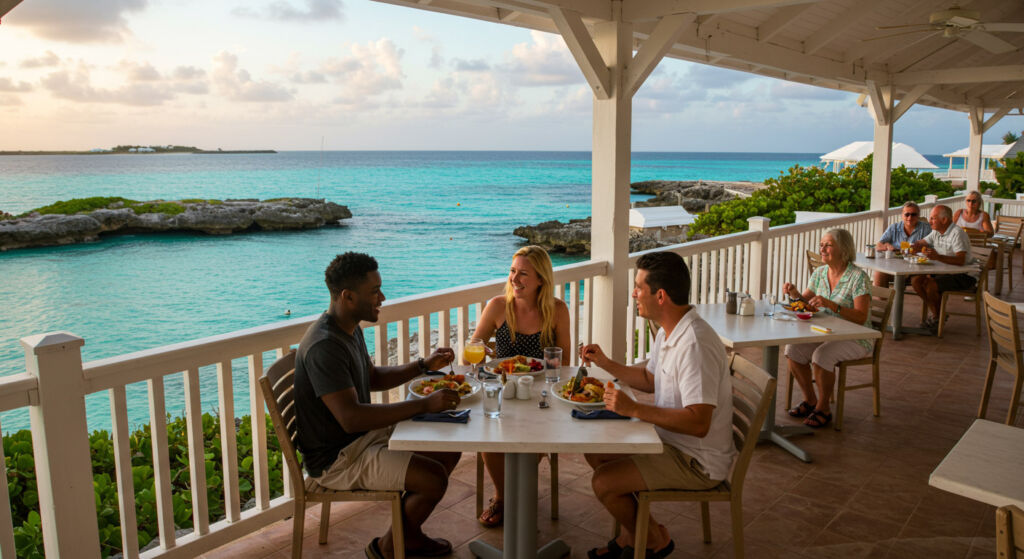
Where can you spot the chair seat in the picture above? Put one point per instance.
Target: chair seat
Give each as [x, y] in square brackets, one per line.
[720, 492]
[317, 492]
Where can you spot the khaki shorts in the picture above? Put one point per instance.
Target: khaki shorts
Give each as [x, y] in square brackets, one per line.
[367, 463]
[672, 469]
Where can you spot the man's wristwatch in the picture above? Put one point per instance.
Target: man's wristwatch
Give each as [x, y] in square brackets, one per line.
[423, 365]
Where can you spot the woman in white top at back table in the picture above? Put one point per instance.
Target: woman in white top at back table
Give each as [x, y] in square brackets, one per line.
[972, 216]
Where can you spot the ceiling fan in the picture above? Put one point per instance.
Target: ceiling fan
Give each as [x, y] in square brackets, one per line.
[958, 23]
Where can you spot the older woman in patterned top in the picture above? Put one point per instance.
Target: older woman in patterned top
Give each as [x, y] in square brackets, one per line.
[840, 289]
[526, 319]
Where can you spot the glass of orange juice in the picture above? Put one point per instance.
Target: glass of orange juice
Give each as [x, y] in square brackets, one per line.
[904, 246]
[473, 352]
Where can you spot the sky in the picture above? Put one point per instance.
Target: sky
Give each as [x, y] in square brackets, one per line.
[357, 74]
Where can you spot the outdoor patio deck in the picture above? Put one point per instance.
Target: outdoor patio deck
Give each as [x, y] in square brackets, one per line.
[865, 495]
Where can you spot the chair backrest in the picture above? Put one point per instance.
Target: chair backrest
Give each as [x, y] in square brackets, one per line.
[1010, 226]
[752, 390]
[1009, 532]
[278, 387]
[880, 311]
[1003, 330]
[814, 261]
[985, 256]
[977, 237]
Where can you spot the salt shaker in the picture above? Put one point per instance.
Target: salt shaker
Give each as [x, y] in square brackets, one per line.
[509, 392]
[524, 385]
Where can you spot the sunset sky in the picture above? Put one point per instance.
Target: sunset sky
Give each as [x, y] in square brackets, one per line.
[290, 74]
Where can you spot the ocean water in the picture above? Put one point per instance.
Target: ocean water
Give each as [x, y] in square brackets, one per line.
[432, 219]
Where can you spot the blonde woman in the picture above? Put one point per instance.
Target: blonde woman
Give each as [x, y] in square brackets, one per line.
[972, 216]
[840, 289]
[523, 321]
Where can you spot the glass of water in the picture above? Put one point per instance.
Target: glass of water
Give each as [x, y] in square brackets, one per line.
[492, 398]
[552, 364]
[773, 299]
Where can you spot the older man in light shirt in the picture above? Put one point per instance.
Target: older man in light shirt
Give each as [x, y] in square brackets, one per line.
[949, 244]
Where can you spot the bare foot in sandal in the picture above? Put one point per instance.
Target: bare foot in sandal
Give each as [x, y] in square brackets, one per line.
[494, 514]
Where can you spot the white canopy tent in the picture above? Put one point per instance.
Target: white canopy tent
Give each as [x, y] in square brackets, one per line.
[850, 154]
[660, 216]
[998, 152]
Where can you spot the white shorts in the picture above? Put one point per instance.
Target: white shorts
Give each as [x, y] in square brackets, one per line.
[826, 354]
[368, 463]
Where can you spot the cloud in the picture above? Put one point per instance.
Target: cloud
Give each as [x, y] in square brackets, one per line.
[435, 46]
[76, 21]
[370, 70]
[791, 90]
[309, 76]
[139, 72]
[237, 85]
[7, 99]
[76, 86]
[477, 65]
[314, 11]
[442, 95]
[46, 60]
[7, 84]
[544, 62]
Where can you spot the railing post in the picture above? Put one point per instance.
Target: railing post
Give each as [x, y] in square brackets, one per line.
[60, 444]
[759, 256]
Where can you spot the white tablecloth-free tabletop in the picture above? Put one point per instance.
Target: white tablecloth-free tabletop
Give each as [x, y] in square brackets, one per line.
[985, 465]
[900, 270]
[522, 432]
[769, 333]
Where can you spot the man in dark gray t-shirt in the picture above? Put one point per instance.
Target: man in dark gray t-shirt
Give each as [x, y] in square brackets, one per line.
[342, 435]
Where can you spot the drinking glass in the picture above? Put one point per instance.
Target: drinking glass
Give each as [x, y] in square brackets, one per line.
[904, 246]
[552, 364]
[492, 398]
[474, 352]
[773, 300]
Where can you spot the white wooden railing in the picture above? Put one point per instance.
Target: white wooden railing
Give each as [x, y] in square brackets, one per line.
[56, 383]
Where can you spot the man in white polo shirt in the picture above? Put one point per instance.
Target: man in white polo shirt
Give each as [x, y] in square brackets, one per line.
[688, 374]
[949, 244]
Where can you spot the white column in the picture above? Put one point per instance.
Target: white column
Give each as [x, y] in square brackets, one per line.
[758, 282]
[977, 117]
[609, 232]
[60, 444]
[881, 169]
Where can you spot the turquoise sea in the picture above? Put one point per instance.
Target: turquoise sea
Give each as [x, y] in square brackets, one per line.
[432, 219]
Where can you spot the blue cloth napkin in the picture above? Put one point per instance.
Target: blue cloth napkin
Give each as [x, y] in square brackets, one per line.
[461, 416]
[597, 414]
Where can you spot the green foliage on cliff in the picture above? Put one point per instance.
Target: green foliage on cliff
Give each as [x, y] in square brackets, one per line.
[24, 494]
[1010, 178]
[817, 190]
[86, 205]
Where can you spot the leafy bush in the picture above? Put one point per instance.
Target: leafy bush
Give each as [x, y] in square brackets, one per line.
[78, 205]
[169, 208]
[814, 189]
[21, 481]
[1010, 178]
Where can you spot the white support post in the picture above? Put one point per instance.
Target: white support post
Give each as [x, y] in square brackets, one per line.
[60, 445]
[977, 118]
[881, 169]
[610, 187]
[758, 278]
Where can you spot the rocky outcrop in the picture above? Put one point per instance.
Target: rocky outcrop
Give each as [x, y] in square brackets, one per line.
[694, 196]
[574, 237]
[208, 217]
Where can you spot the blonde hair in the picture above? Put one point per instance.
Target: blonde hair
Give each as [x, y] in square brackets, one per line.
[541, 262]
[844, 242]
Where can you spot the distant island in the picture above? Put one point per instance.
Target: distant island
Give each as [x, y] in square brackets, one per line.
[89, 219]
[136, 149]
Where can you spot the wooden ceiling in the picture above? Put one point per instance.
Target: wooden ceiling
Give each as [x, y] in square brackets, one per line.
[828, 43]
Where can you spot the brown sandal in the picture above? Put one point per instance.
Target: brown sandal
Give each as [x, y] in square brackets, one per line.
[494, 515]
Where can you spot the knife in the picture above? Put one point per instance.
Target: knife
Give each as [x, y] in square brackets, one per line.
[577, 381]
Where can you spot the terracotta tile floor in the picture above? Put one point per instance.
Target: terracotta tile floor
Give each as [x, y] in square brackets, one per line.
[865, 495]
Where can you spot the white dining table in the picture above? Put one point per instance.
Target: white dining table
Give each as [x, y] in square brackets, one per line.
[900, 270]
[985, 465]
[523, 432]
[769, 333]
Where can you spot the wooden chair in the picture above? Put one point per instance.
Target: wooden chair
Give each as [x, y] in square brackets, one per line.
[1010, 227]
[977, 237]
[814, 261]
[1009, 532]
[278, 392]
[881, 309]
[752, 394]
[984, 256]
[1004, 351]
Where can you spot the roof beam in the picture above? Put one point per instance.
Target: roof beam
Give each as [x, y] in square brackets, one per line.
[779, 21]
[833, 29]
[870, 49]
[992, 120]
[908, 100]
[650, 53]
[7, 5]
[880, 97]
[638, 10]
[961, 75]
[581, 45]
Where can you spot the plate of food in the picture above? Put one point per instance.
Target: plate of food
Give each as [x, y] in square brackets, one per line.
[518, 365]
[799, 307]
[420, 387]
[591, 395]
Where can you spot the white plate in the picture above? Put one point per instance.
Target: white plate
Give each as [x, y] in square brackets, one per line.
[557, 393]
[475, 384]
[492, 367]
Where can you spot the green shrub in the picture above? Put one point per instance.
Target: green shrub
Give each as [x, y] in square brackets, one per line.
[1010, 178]
[21, 480]
[814, 189]
[79, 205]
[169, 208]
